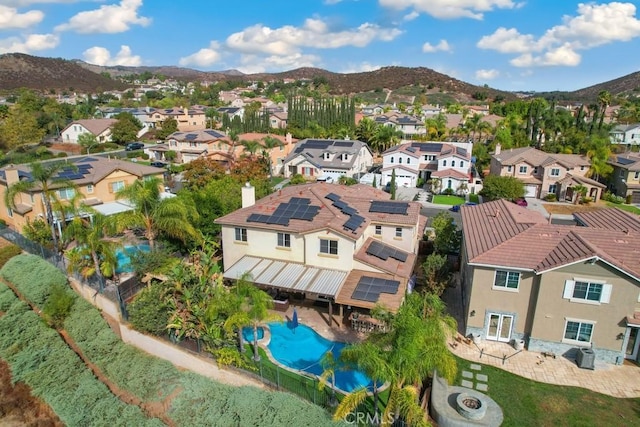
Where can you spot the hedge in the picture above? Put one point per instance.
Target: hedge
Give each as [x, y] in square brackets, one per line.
[33, 276]
[40, 358]
[8, 252]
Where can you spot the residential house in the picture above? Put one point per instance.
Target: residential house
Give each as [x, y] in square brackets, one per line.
[328, 159]
[189, 146]
[625, 134]
[100, 128]
[96, 179]
[625, 178]
[278, 119]
[344, 245]
[449, 162]
[144, 115]
[231, 112]
[410, 126]
[552, 288]
[276, 154]
[546, 173]
[188, 119]
[373, 109]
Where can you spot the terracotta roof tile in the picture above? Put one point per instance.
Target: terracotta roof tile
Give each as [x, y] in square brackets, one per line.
[611, 219]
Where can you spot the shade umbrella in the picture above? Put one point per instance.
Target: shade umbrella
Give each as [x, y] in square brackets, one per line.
[294, 320]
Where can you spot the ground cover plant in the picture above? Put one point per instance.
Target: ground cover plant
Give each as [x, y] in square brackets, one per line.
[441, 199]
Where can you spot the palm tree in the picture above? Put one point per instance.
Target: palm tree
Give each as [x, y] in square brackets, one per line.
[251, 146]
[329, 367]
[366, 129]
[604, 99]
[94, 253]
[385, 137]
[269, 143]
[44, 177]
[436, 185]
[580, 192]
[170, 216]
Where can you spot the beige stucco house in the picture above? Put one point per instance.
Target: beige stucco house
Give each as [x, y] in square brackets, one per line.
[189, 146]
[555, 288]
[625, 178]
[188, 119]
[96, 179]
[546, 173]
[100, 128]
[276, 154]
[349, 246]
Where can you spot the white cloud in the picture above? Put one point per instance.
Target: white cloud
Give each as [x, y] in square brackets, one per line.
[360, 68]
[450, 9]
[205, 57]
[410, 16]
[442, 46]
[101, 56]
[259, 64]
[114, 18]
[595, 25]
[487, 74]
[10, 18]
[32, 43]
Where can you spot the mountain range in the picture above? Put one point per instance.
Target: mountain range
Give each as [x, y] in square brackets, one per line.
[47, 74]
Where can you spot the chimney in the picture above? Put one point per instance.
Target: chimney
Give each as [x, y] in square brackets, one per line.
[248, 195]
[11, 173]
[498, 148]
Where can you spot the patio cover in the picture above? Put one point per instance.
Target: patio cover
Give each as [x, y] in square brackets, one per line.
[288, 275]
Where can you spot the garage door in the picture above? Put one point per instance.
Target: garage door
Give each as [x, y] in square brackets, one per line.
[530, 191]
[635, 197]
[403, 181]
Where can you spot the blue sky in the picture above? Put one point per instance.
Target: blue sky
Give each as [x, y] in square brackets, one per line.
[507, 44]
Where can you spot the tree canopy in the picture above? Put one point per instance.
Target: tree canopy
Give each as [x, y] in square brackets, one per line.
[502, 187]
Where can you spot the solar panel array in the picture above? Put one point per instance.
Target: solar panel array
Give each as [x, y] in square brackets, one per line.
[296, 208]
[411, 149]
[78, 172]
[427, 147]
[461, 151]
[355, 220]
[398, 208]
[191, 136]
[315, 143]
[385, 252]
[343, 144]
[369, 288]
[624, 160]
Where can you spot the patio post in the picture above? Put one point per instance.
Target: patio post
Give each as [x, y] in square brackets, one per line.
[330, 314]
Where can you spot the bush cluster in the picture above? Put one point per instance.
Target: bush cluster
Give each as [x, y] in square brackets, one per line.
[8, 252]
[610, 197]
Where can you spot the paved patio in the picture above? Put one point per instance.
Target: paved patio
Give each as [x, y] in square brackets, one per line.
[617, 381]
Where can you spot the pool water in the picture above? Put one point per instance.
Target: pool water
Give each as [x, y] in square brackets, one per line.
[123, 256]
[247, 334]
[302, 348]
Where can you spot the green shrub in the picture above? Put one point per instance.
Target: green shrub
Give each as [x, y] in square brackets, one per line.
[550, 198]
[7, 298]
[420, 183]
[628, 199]
[58, 305]
[134, 154]
[8, 252]
[447, 192]
[33, 277]
[148, 312]
[61, 154]
[144, 156]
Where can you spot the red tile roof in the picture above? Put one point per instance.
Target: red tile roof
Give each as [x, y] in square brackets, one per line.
[611, 219]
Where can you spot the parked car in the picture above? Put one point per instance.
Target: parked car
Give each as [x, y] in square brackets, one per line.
[132, 146]
[521, 202]
[456, 208]
[158, 164]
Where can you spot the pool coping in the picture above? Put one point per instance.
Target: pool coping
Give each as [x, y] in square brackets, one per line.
[267, 330]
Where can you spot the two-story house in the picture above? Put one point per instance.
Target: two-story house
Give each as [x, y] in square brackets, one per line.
[348, 245]
[410, 126]
[554, 288]
[188, 119]
[328, 159]
[276, 154]
[100, 128]
[96, 179]
[144, 115]
[546, 173]
[189, 146]
[625, 134]
[625, 178]
[449, 162]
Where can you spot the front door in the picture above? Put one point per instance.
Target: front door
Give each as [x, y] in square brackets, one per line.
[500, 327]
[633, 344]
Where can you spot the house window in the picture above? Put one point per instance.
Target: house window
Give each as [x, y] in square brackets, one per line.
[378, 230]
[90, 188]
[391, 159]
[453, 163]
[398, 231]
[535, 170]
[328, 246]
[586, 291]
[284, 240]
[461, 164]
[241, 234]
[523, 169]
[581, 168]
[578, 331]
[555, 172]
[552, 189]
[444, 163]
[637, 175]
[66, 194]
[506, 279]
[400, 160]
[408, 160]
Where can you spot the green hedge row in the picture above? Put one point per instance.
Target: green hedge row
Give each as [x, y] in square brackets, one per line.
[39, 357]
[8, 252]
[33, 276]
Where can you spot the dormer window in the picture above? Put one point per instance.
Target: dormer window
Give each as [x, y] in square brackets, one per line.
[444, 163]
[391, 159]
[326, 156]
[453, 163]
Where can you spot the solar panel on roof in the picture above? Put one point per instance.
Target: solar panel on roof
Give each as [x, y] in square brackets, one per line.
[385, 252]
[428, 147]
[343, 144]
[354, 222]
[624, 160]
[340, 204]
[299, 200]
[190, 136]
[411, 149]
[349, 210]
[370, 288]
[389, 207]
[332, 196]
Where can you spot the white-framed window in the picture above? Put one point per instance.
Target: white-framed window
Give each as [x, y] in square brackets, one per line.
[508, 168]
[391, 159]
[523, 169]
[461, 164]
[453, 163]
[553, 188]
[637, 175]
[378, 230]
[328, 246]
[578, 331]
[116, 186]
[444, 163]
[66, 193]
[506, 279]
[587, 291]
[33, 198]
[284, 240]
[241, 234]
[400, 160]
[535, 170]
[398, 231]
[90, 188]
[554, 172]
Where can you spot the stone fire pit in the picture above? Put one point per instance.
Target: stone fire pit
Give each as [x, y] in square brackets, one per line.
[471, 407]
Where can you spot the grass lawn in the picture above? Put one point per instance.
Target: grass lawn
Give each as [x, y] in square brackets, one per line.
[628, 208]
[276, 180]
[529, 403]
[440, 199]
[473, 198]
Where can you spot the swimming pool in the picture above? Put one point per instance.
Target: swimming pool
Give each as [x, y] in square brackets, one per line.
[302, 348]
[123, 256]
[247, 334]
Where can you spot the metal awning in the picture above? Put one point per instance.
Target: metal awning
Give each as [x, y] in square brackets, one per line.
[288, 275]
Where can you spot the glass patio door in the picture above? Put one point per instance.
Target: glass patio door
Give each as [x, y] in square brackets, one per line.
[633, 344]
[500, 327]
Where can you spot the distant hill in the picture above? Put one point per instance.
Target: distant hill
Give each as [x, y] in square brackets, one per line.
[617, 87]
[19, 70]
